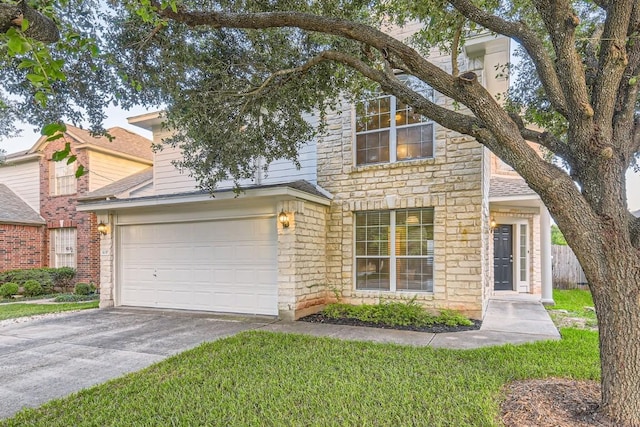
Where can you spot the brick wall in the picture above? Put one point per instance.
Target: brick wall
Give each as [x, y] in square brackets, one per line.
[60, 211]
[21, 246]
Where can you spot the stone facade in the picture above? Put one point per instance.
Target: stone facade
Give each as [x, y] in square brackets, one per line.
[302, 258]
[21, 246]
[451, 183]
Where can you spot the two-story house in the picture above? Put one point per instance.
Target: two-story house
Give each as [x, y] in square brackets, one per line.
[386, 205]
[39, 223]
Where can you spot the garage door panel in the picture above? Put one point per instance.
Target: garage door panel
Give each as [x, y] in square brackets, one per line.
[227, 266]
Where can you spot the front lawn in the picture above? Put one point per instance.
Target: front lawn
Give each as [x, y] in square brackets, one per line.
[269, 379]
[11, 311]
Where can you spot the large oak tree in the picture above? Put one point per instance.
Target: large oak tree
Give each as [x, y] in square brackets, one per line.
[238, 78]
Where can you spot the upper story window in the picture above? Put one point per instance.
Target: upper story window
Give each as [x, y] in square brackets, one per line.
[387, 130]
[63, 178]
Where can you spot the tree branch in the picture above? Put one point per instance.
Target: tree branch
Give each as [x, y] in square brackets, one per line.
[528, 39]
[613, 62]
[41, 28]
[561, 23]
[455, 46]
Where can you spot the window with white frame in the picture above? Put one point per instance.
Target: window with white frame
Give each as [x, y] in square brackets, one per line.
[63, 178]
[394, 250]
[63, 247]
[387, 130]
[523, 252]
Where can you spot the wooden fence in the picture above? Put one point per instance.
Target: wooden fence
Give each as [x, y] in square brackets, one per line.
[567, 273]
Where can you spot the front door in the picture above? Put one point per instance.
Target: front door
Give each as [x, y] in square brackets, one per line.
[503, 258]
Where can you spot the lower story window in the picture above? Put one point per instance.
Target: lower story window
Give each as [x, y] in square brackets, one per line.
[394, 250]
[63, 247]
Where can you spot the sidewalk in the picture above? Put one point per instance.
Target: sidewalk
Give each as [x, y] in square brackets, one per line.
[509, 319]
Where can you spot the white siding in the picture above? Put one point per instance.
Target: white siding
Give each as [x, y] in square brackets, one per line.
[105, 169]
[24, 180]
[282, 171]
[169, 180]
[144, 191]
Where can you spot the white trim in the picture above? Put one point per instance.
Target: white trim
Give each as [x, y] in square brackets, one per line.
[165, 200]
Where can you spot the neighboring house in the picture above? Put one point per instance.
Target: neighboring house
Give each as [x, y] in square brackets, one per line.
[39, 224]
[386, 206]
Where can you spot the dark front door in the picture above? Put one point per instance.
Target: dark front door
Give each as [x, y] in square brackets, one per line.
[503, 258]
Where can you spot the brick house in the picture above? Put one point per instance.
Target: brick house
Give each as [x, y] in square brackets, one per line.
[387, 205]
[39, 224]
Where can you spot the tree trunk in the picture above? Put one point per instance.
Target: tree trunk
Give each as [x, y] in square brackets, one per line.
[616, 295]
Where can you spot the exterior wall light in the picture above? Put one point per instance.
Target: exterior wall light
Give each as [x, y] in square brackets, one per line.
[103, 228]
[493, 224]
[283, 219]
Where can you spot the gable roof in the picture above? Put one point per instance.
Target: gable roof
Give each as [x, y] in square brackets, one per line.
[123, 141]
[509, 187]
[121, 186]
[14, 210]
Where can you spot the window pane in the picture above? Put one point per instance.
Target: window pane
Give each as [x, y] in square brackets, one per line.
[372, 274]
[372, 147]
[414, 274]
[414, 142]
[523, 253]
[63, 247]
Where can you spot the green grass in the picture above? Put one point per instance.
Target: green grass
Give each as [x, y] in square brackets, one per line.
[269, 379]
[574, 301]
[11, 311]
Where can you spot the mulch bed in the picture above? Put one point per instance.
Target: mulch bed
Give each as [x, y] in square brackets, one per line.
[556, 402]
[434, 329]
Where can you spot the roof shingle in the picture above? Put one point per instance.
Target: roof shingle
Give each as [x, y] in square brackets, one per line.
[121, 186]
[506, 187]
[14, 210]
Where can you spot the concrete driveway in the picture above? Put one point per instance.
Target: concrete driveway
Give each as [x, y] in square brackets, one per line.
[50, 358]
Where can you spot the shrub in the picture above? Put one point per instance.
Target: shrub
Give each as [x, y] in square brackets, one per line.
[63, 277]
[49, 278]
[76, 298]
[408, 313]
[32, 288]
[82, 289]
[9, 289]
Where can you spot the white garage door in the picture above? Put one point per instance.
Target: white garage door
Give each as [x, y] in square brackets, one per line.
[226, 266]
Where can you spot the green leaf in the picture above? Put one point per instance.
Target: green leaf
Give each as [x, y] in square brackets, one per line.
[52, 128]
[35, 78]
[15, 44]
[41, 98]
[81, 171]
[56, 136]
[72, 159]
[59, 155]
[633, 80]
[25, 24]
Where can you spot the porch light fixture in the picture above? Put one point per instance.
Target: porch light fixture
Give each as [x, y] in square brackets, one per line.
[493, 224]
[103, 228]
[283, 219]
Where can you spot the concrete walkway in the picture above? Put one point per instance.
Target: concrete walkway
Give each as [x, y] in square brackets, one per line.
[509, 319]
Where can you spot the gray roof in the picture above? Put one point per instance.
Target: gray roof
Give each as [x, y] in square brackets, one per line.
[121, 186]
[636, 213]
[301, 185]
[507, 187]
[14, 210]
